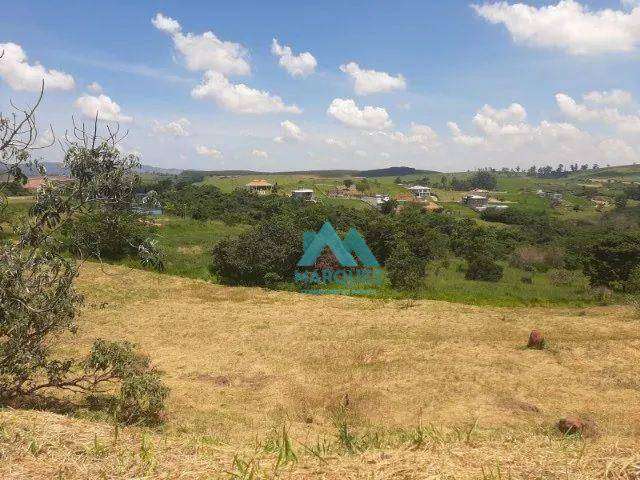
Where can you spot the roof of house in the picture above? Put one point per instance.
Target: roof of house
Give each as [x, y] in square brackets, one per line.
[477, 197]
[259, 183]
[419, 187]
[405, 197]
[303, 190]
[36, 182]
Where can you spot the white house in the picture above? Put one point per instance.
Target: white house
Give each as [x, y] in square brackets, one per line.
[305, 194]
[420, 191]
[476, 202]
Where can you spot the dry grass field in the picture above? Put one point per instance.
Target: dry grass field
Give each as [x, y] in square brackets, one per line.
[279, 385]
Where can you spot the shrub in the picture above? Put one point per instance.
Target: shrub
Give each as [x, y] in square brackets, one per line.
[404, 269]
[611, 260]
[273, 248]
[142, 393]
[620, 201]
[633, 282]
[559, 277]
[38, 302]
[481, 267]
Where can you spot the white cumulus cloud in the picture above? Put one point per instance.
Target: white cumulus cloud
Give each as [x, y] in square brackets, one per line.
[300, 65]
[239, 98]
[627, 122]
[463, 139]
[106, 108]
[175, 128]
[366, 82]
[208, 151]
[259, 153]
[290, 131]
[205, 51]
[567, 25]
[367, 118]
[507, 130]
[616, 98]
[419, 135]
[618, 151]
[21, 75]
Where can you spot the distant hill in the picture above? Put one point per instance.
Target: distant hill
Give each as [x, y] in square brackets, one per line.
[53, 168]
[199, 175]
[394, 172]
[626, 172]
[56, 169]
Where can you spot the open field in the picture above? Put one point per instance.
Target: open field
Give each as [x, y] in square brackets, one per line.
[364, 388]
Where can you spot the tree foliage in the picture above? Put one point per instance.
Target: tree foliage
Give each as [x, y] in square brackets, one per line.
[38, 301]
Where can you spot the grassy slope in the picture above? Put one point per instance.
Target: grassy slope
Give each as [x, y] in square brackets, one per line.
[187, 244]
[427, 389]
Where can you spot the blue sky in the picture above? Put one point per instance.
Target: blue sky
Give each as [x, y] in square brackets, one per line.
[443, 61]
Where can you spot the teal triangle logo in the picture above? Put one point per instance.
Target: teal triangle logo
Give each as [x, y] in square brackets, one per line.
[344, 251]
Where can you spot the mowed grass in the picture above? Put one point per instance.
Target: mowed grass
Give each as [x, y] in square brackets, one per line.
[280, 385]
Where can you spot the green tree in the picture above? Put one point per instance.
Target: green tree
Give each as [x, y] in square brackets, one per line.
[38, 304]
[257, 256]
[483, 267]
[484, 180]
[404, 269]
[610, 260]
[107, 220]
[363, 185]
[621, 201]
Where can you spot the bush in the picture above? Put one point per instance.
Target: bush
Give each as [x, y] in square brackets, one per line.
[102, 235]
[633, 282]
[484, 180]
[560, 277]
[142, 393]
[620, 201]
[483, 268]
[404, 269]
[611, 260]
[257, 256]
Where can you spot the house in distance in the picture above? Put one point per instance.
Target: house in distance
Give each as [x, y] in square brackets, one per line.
[421, 192]
[305, 194]
[260, 187]
[36, 182]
